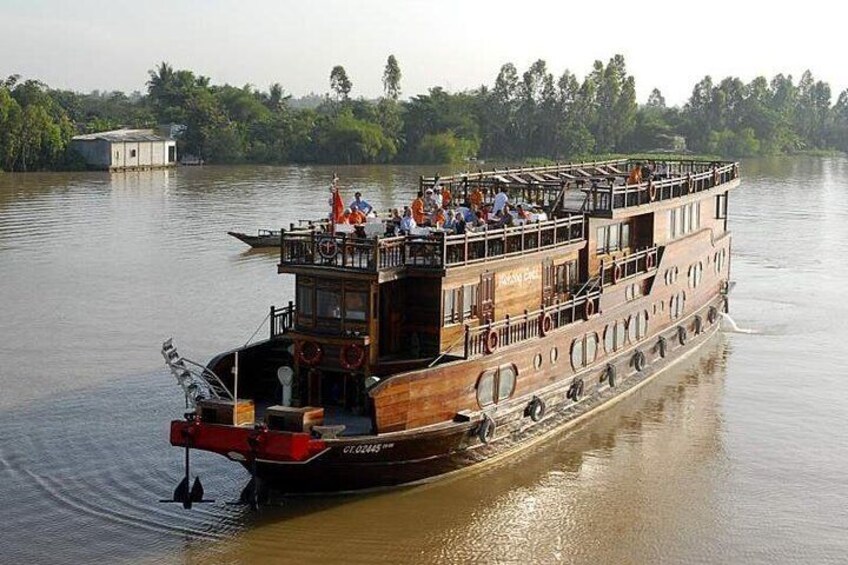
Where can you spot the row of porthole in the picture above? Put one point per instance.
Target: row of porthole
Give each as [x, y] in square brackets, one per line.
[634, 329]
[696, 271]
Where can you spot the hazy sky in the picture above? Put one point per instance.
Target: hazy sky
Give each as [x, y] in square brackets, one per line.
[87, 44]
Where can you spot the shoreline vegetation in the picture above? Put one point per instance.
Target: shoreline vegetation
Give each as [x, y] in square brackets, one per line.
[532, 117]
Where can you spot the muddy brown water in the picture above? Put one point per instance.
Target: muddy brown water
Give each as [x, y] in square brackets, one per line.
[737, 455]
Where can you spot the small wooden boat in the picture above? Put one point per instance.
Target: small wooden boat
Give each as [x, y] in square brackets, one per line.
[264, 238]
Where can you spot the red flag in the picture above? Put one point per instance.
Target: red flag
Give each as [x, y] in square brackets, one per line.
[338, 207]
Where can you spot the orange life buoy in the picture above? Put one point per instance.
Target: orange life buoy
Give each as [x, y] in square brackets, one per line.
[590, 309]
[354, 361]
[649, 261]
[652, 190]
[492, 340]
[546, 324]
[616, 273]
[309, 353]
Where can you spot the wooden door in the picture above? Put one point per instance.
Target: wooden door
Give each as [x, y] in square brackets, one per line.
[487, 297]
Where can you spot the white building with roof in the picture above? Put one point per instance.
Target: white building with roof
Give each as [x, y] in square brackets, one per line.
[126, 149]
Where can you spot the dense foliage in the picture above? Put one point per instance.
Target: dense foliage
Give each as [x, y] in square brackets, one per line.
[533, 114]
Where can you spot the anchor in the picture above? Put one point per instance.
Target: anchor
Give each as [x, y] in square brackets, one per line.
[254, 492]
[182, 493]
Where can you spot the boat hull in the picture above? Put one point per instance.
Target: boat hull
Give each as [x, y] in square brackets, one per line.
[257, 241]
[415, 456]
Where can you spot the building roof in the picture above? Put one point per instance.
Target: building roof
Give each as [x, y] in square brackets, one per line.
[123, 135]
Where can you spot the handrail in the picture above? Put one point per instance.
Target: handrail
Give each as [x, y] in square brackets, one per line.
[435, 251]
[629, 266]
[515, 329]
[555, 168]
[282, 320]
[608, 198]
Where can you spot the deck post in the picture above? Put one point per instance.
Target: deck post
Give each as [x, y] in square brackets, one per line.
[272, 321]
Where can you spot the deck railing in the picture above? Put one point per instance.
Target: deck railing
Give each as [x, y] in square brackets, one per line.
[437, 250]
[514, 329]
[629, 266]
[700, 177]
[282, 320]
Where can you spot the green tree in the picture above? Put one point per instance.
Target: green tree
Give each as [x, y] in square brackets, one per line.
[340, 83]
[391, 78]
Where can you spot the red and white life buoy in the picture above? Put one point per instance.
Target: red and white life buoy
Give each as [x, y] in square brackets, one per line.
[649, 261]
[309, 353]
[616, 273]
[492, 341]
[652, 190]
[352, 356]
[590, 309]
[546, 324]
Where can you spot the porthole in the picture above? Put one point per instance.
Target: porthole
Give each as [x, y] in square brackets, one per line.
[676, 305]
[537, 361]
[614, 336]
[718, 260]
[554, 355]
[631, 329]
[671, 275]
[584, 350]
[496, 385]
[695, 274]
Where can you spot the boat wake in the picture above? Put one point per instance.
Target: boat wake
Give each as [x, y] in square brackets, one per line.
[734, 327]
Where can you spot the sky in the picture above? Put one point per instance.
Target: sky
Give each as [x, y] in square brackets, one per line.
[85, 45]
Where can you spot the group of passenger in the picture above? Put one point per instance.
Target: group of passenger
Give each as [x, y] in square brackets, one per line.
[433, 208]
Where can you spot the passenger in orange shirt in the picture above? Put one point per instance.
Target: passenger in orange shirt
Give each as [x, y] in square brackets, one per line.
[417, 208]
[355, 216]
[446, 197]
[475, 198]
[439, 217]
[635, 175]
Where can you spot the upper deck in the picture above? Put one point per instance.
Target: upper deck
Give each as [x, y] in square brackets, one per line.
[568, 193]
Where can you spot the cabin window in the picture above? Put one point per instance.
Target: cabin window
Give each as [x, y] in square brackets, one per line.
[496, 385]
[132, 153]
[721, 206]
[469, 301]
[460, 304]
[566, 277]
[684, 219]
[304, 300]
[537, 361]
[329, 303]
[612, 238]
[356, 306]
[584, 350]
[554, 355]
[633, 291]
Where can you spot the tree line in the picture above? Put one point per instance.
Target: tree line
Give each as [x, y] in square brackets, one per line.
[533, 114]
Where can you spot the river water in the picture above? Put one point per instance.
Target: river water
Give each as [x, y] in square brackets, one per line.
[736, 456]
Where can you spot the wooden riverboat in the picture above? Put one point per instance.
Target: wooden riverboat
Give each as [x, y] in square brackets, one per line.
[406, 358]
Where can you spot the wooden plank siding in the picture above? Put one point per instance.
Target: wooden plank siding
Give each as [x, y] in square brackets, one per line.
[437, 394]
